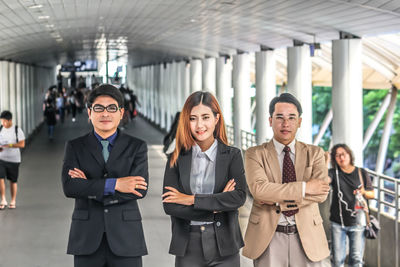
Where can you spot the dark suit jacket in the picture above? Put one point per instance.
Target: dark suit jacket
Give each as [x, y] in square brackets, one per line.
[117, 215]
[229, 164]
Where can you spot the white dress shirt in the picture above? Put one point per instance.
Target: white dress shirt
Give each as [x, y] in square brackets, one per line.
[284, 220]
[202, 172]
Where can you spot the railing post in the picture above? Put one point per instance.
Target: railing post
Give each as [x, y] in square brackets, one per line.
[396, 226]
[379, 219]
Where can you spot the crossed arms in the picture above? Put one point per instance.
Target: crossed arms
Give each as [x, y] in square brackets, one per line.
[202, 207]
[267, 192]
[78, 184]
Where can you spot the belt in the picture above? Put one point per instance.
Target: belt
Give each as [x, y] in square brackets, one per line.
[287, 229]
[201, 228]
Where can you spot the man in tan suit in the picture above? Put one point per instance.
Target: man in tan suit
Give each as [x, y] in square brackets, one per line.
[287, 179]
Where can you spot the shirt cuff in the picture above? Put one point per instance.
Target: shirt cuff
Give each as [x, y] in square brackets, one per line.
[109, 186]
[304, 189]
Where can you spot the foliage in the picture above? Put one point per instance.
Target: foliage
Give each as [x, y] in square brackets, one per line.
[321, 101]
[372, 100]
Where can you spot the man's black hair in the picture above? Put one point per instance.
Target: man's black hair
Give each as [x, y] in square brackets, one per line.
[7, 115]
[105, 90]
[285, 98]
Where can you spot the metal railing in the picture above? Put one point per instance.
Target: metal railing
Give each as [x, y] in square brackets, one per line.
[386, 202]
[248, 139]
[230, 132]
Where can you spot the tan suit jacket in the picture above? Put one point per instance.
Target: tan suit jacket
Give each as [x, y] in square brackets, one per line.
[264, 178]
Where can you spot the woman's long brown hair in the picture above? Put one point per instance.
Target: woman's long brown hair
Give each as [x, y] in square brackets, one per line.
[184, 138]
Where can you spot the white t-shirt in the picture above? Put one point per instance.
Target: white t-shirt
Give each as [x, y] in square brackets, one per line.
[7, 136]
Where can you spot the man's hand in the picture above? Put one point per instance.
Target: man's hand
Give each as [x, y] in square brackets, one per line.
[77, 173]
[174, 196]
[317, 187]
[230, 186]
[129, 184]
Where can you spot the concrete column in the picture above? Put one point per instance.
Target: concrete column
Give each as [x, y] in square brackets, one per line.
[224, 87]
[147, 88]
[4, 86]
[347, 93]
[299, 84]
[162, 96]
[144, 77]
[186, 82]
[241, 99]
[175, 90]
[153, 93]
[157, 96]
[182, 81]
[265, 92]
[24, 98]
[18, 116]
[29, 96]
[195, 75]
[13, 87]
[209, 72]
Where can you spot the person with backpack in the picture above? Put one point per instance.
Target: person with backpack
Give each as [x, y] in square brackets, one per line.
[12, 138]
[50, 117]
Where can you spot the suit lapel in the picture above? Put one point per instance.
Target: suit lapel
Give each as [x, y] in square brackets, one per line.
[300, 161]
[273, 162]
[120, 145]
[94, 148]
[221, 165]
[185, 163]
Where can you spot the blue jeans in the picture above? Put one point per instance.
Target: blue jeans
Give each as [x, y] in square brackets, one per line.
[356, 244]
[50, 131]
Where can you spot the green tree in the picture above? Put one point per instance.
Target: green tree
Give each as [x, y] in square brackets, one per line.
[372, 100]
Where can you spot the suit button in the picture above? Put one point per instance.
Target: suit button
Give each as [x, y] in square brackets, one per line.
[202, 228]
[218, 224]
[106, 210]
[105, 175]
[278, 211]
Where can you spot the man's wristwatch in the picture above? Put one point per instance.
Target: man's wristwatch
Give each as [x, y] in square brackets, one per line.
[10, 145]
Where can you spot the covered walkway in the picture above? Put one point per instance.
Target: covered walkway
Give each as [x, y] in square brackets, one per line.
[36, 233]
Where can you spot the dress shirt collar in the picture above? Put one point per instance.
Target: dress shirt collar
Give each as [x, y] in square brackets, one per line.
[279, 147]
[110, 139]
[210, 153]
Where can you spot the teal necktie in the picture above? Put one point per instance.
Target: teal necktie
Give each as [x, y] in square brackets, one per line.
[105, 152]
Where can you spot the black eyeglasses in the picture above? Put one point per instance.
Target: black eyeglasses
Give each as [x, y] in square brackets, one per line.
[110, 108]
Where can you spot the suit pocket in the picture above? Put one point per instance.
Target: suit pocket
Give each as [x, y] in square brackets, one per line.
[131, 215]
[80, 215]
[254, 218]
[317, 220]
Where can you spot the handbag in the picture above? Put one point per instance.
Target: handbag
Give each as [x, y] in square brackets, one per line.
[372, 228]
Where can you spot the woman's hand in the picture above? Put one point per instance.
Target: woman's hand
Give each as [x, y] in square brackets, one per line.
[174, 196]
[230, 186]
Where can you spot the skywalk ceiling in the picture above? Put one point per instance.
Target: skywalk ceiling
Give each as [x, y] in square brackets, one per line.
[47, 32]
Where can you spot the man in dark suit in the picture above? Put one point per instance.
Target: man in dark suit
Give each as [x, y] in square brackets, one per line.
[106, 171]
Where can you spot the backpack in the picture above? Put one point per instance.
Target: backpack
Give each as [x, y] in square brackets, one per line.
[16, 132]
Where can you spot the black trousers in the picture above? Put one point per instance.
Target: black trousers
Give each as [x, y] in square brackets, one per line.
[202, 251]
[104, 257]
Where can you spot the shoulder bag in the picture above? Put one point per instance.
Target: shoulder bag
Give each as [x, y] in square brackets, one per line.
[372, 228]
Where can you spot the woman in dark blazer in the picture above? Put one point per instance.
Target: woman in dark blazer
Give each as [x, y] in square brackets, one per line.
[204, 185]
